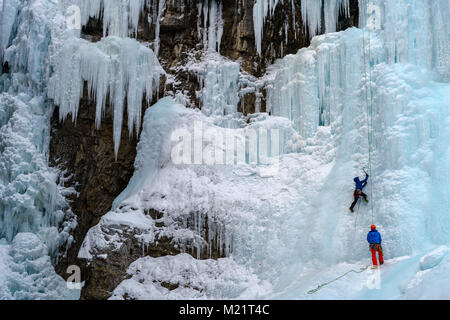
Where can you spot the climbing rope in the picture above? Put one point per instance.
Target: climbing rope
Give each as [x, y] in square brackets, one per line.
[329, 282]
[357, 213]
[369, 115]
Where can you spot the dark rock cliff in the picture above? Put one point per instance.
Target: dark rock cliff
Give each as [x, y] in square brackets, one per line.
[88, 154]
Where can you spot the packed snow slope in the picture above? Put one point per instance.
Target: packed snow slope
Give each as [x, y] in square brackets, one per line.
[375, 98]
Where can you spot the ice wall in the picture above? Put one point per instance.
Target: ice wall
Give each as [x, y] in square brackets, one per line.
[220, 86]
[35, 218]
[212, 279]
[415, 31]
[312, 87]
[369, 87]
[30, 199]
[191, 156]
[25, 33]
[220, 81]
[28, 274]
[119, 69]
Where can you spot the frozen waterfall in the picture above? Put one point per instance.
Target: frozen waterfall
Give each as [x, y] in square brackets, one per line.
[380, 89]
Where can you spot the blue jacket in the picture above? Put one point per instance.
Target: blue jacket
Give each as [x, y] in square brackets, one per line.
[360, 184]
[374, 237]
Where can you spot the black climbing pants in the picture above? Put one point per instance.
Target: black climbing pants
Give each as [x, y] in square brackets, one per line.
[358, 193]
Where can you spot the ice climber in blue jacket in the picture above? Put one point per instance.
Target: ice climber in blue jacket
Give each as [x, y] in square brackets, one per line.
[359, 186]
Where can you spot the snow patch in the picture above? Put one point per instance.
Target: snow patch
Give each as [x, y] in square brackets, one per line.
[183, 277]
[432, 259]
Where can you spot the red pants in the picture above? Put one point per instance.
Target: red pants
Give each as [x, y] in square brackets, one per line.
[374, 248]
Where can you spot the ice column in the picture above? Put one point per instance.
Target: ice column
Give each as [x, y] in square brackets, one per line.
[220, 93]
[312, 14]
[212, 24]
[25, 35]
[161, 9]
[30, 199]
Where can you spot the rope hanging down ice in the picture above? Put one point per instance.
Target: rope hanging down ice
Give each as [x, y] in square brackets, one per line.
[369, 113]
[336, 279]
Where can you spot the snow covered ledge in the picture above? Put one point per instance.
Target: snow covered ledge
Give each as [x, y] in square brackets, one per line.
[170, 208]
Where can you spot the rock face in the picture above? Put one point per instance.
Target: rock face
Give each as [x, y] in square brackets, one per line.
[107, 268]
[88, 154]
[121, 244]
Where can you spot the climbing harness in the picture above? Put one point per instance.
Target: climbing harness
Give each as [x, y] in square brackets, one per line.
[329, 282]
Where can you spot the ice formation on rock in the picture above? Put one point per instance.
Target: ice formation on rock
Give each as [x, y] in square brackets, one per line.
[210, 32]
[118, 70]
[220, 83]
[177, 140]
[311, 14]
[28, 274]
[192, 279]
[35, 217]
[30, 199]
[120, 18]
[416, 31]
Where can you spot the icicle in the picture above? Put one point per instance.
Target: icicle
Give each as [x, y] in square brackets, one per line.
[205, 24]
[294, 23]
[219, 27]
[161, 9]
[332, 9]
[260, 10]
[212, 25]
[118, 15]
[199, 15]
[212, 31]
[113, 67]
[286, 31]
[311, 15]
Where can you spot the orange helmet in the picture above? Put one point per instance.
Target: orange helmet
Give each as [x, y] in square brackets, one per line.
[373, 227]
